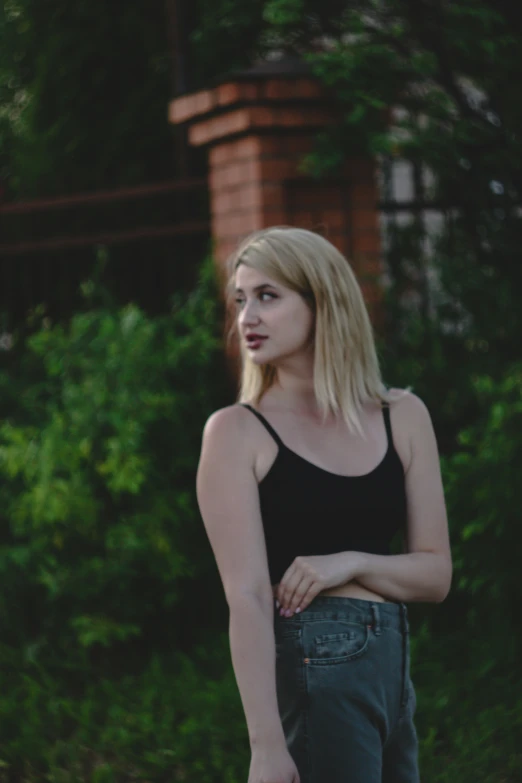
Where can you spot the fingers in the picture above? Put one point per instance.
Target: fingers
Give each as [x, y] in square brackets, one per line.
[308, 596]
[298, 587]
[288, 585]
[293, 598]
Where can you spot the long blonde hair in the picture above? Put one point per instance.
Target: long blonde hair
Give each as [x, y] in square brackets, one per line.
[346, 367]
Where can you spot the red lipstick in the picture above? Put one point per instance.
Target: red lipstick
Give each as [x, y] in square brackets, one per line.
[254, 341]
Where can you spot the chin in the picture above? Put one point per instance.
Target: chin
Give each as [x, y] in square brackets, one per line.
[266, 357]
[259, 360]
[261, 356]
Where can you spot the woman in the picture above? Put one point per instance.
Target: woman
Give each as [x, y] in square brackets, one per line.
[302, 487]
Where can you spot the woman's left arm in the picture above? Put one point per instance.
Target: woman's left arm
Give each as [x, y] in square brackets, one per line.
[424, 574]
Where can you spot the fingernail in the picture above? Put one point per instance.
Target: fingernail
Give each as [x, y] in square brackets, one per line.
[298, 609]
[288, 613]
[277, 604]
[281, 612]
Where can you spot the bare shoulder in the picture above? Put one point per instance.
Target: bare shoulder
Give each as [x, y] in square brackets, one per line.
[411, 423]
[407, 406]
[228, 426]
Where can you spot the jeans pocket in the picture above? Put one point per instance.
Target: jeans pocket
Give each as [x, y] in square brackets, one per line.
[345, 645]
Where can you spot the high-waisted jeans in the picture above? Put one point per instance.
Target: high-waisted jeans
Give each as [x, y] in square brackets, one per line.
[344, 691]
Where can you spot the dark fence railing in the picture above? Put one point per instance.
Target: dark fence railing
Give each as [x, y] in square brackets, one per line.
[151, 238]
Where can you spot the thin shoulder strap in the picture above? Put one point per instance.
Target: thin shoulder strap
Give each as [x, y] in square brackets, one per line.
[264, 422]
[387, 422]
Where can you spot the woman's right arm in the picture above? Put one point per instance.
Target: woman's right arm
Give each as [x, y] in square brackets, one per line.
[229, 504]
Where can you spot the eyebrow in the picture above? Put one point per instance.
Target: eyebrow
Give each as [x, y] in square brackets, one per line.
[256, 288]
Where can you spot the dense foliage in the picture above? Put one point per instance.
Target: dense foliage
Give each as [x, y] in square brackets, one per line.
[83, 95]
[108, 581]
[118, 652]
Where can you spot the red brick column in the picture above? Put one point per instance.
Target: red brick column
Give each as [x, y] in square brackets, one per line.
[257, 131]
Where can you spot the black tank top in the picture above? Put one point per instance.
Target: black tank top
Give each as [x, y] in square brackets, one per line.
[307, 510]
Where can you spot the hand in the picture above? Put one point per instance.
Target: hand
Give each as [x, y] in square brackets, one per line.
[308, 576]
[272, 765]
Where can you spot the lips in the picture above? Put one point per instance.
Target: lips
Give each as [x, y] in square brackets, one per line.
[254, 341]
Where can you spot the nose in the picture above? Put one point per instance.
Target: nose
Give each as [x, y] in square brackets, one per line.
[249, 315]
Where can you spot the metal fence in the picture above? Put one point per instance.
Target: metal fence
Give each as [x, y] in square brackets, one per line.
[411, 221]
[143, 242]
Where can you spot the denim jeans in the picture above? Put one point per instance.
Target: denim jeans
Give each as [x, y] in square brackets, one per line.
[345, 696]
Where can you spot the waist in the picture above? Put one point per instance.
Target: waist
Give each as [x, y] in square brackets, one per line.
[369, 613]
[348, 590]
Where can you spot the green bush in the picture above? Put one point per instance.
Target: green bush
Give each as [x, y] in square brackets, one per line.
[98, 461]
[108, 579]
[169, 721]
[466, 656]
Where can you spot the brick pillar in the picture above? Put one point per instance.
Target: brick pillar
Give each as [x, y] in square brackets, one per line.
[257, 129]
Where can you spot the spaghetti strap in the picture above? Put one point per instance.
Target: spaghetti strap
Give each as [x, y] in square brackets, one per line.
[264, 422]
[387, 422]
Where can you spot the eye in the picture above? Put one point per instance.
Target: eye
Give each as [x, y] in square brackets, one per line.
[240, 302]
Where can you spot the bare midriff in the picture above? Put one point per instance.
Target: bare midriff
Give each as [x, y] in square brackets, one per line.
[350, 590]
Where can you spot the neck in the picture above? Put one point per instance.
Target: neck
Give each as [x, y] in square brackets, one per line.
[294, 388]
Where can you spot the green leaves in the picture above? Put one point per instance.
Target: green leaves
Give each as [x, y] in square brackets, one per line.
[283, 13]
[102, 551]
[111, 130]
[485, 496]
[102, 630]
[98, 492]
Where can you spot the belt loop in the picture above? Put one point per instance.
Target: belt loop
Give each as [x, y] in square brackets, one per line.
[376, 620]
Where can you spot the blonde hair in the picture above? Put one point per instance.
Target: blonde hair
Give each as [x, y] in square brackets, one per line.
[346, 367]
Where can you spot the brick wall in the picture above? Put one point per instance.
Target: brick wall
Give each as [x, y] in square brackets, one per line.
[257, 133]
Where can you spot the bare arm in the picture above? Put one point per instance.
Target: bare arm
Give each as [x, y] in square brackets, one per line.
[416, 576]
[229, 504]
[424, 574]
